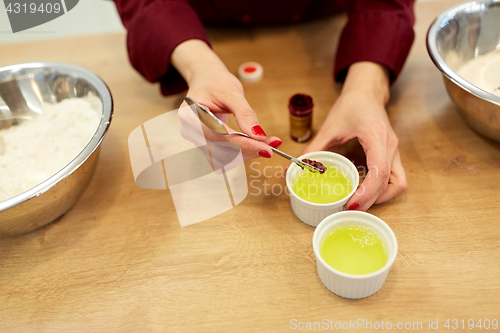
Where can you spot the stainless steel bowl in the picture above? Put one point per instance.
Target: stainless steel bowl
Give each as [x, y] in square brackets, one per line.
[457, 35]
[24, 86]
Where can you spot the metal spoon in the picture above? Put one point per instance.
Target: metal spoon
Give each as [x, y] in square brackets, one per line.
[212, 122]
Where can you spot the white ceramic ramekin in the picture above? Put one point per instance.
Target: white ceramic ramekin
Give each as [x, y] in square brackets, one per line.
[312, 213]
[349, 285]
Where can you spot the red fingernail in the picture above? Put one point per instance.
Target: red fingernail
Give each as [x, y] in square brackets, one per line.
[257, 130]
[276, 143]
[264, 153]
[354, 206]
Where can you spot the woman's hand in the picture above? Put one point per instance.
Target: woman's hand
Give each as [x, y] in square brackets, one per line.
[212, 85]
[359, 112]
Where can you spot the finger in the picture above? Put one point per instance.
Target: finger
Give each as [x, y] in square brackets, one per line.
[326, 138]
[245, 117]
[250, 148]
[252, 151]
[273, 141]
[397, 181]
[377, 178]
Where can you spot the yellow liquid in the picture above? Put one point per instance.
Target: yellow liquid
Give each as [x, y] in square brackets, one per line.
[354, 250]
[324, 188]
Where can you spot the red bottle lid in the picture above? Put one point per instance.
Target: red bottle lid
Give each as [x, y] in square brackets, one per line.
[300, 105]
[250, 72]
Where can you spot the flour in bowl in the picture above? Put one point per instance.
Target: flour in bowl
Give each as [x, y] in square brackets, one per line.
[37, 149]
[483, 72]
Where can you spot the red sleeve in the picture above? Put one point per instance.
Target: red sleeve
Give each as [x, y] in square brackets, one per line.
[155, 28]
[379, 31]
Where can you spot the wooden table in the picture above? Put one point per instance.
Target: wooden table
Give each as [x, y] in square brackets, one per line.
[120, 262]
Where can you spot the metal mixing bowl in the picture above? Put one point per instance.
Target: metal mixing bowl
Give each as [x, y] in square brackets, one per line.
[457, 35]
[23, 87]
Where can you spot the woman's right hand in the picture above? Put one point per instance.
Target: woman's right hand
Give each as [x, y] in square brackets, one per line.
[212, 85]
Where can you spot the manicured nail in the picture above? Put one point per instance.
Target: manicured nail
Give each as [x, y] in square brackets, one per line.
[276, 143]
[257, 130]
[264, 153]
[354, 206]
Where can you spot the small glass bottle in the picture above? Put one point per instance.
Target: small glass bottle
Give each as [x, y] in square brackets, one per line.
[301, 108]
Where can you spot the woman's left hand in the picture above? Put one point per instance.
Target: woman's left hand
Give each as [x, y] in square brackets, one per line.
[359, 112]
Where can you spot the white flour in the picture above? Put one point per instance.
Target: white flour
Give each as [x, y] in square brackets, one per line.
[483, 72]
[37, 149]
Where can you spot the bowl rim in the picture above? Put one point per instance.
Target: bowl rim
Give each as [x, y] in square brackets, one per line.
[355, 215]
[92, 145]
[438, 60]
[355, 184]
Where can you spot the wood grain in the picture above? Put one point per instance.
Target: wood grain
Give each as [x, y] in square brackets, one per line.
[119, 262]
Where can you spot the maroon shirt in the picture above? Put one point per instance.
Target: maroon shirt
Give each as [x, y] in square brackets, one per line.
[377, 30]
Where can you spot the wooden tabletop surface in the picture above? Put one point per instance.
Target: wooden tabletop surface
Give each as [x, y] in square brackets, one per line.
[120, 262]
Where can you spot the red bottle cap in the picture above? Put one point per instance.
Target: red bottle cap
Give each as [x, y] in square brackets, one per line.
[250, 72]
[300, 105]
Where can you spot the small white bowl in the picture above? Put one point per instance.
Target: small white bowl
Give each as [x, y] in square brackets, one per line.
[312, 213]
[349, 285]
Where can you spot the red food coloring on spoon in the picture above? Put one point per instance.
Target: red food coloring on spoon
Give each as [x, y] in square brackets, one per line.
[316, 164]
